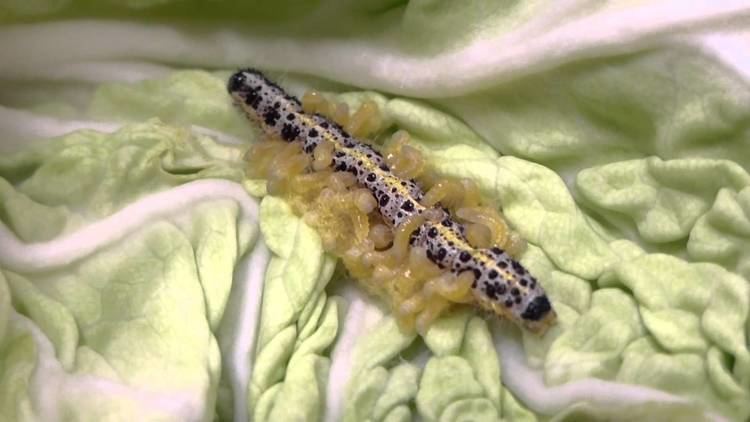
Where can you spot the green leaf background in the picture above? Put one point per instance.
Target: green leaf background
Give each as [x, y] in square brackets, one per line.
[143, 277]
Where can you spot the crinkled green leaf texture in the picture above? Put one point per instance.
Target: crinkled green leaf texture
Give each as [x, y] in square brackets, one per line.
[144, 277]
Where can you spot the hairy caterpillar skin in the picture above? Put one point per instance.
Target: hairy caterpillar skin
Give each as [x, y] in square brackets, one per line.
[501, 284]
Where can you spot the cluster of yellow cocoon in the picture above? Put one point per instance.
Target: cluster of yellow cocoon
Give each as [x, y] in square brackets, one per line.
[346, 216]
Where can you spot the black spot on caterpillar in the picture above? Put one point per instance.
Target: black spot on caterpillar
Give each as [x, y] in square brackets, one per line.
[499, 285]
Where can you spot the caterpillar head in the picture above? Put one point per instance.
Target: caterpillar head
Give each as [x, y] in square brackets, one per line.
[506, 289]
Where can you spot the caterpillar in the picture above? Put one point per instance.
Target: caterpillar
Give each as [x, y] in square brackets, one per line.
[495, 281]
